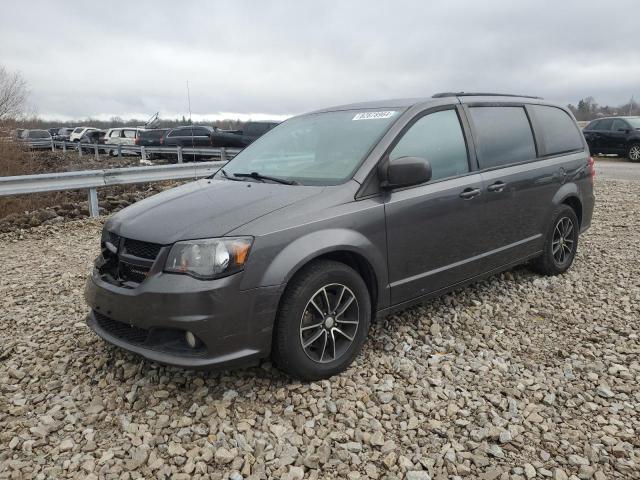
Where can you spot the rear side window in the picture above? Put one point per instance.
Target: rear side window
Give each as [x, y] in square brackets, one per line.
[605, 124]
[559, 131]
[503, 136]
[438, 138]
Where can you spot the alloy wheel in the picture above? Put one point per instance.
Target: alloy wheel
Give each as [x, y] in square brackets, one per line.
[329, 323]
[634, 153]
[563, 240]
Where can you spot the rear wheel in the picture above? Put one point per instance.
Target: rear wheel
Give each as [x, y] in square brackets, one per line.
[322, 322]
[633, 153]
[561, 243]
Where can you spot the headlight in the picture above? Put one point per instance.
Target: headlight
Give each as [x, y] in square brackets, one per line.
[209, 258]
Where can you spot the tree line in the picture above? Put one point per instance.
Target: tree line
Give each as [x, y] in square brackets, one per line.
[588, 109]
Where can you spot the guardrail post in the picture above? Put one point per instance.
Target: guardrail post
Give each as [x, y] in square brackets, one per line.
[93, 202]
[223, 154]
[119, 151]
[53, 146]
[95, 146]
[79, 149]
[64, 146]
[179, 154]
[143, 153]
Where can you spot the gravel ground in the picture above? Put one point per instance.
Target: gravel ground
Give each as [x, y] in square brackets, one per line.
[517, 377]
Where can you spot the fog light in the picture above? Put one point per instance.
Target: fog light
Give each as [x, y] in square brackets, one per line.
[191, 339]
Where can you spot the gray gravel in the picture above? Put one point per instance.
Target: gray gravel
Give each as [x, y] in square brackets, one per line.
[518, 377]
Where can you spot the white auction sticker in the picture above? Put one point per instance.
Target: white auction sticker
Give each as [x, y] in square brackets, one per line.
[374, 115]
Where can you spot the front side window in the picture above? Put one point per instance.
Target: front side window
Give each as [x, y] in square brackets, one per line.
[115, 134]
[558, 129]
[620, 125]
[78, 130]
[503, 136]
[437, 137]
[315, 149]
[129, 134]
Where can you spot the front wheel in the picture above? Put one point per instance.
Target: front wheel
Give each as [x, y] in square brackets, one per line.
[561, 243]
[322, 322]
[633, 153]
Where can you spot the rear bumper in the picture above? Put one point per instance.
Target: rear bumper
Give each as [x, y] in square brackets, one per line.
[588, 204]
[234, 326]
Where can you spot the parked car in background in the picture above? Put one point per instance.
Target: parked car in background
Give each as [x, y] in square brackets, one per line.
[151, 138]
[339, 217]
[617, 135]
[36, 138]
[17, 133]
[241, 138]
[63, 134]
[122, 136]
[93, 137]
[53, 131]
[78, 132]
[188, 136]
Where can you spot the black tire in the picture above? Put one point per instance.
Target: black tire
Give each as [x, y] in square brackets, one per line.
[560, 246]
[633, 152]
[296, 313]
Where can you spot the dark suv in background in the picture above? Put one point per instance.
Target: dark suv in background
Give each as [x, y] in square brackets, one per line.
[619, 135]
[337, 217]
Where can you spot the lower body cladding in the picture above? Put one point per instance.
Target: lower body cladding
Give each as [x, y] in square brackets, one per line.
[178, 320]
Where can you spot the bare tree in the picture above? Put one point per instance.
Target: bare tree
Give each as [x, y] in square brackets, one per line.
[13, 94]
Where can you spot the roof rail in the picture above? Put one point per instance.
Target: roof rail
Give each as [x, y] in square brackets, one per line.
[480, 94]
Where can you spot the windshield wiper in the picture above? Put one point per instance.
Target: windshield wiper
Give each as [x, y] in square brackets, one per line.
[225, 175]
[259, 176]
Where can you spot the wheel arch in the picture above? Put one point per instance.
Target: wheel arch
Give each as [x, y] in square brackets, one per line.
[569, 195]
[342, 245]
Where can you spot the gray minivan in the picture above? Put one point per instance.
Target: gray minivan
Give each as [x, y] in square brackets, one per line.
[336, 217]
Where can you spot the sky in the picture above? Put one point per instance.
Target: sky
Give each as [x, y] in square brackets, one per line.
[273, 59]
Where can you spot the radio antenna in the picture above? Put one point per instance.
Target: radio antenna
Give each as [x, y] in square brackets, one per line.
[190, 122]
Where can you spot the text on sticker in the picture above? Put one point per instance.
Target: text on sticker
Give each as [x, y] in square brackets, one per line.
[373, 115]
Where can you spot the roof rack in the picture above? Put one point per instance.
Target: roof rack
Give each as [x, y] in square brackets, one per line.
[480, 94]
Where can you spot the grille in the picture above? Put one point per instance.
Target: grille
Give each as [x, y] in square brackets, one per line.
[122, 330]
[133, 273]
[142, 249]
[114, 239]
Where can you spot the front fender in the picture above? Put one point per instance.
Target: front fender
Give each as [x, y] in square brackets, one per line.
[314, 244]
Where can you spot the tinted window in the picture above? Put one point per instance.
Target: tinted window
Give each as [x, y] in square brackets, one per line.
[620, 125]
[605, 124]
[151, 133]
[437, 137]
[39, 134]
[559, 131]
[78, 130]
[593, 125]
[503, 136]
[129, 133]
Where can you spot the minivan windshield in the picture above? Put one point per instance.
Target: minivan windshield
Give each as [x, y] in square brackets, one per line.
[315, 149]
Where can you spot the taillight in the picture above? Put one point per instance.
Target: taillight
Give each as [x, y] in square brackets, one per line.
[591, 167]
[136, 141]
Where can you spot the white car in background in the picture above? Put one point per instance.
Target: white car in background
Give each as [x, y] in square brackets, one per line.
[122, 136]
[78, 132]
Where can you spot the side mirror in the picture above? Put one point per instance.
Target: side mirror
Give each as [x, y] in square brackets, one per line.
[404, 172]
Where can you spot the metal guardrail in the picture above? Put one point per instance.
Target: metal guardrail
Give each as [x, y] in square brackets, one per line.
[94, 179]
[224, 154]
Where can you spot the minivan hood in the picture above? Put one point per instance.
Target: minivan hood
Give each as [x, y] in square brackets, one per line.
[203, 209]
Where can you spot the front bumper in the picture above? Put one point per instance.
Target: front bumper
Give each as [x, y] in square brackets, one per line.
[234, 326]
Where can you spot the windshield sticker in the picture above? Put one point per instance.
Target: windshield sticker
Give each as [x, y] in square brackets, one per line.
[374, 115]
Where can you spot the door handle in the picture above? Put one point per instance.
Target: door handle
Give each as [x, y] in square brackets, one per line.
[497, 187]
[468, 193]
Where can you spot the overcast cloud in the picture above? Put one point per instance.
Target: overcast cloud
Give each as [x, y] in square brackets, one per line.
[271, 59]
